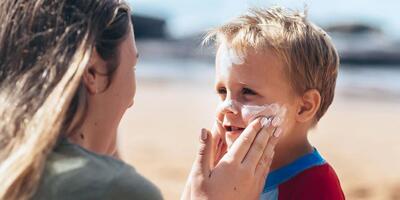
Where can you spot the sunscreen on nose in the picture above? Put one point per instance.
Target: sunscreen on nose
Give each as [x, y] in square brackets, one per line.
[229, 105]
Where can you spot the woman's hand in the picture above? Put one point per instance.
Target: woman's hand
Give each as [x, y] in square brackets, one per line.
[242, 170]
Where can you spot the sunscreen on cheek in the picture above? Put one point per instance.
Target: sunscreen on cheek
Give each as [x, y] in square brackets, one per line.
[251, 112]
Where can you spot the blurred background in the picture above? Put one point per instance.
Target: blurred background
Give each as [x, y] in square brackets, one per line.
[175, 95]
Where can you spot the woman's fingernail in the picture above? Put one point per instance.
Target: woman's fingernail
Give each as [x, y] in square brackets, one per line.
[203, 135]
[278, 132]
[265, 121]
[276, 121]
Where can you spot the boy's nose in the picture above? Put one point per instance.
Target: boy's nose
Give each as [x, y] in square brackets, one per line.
[229, 106]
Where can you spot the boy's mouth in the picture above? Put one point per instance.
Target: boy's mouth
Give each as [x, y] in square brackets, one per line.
[233, 129]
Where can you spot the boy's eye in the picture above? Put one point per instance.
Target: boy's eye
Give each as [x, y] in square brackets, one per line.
[247, 91]
[221, 91]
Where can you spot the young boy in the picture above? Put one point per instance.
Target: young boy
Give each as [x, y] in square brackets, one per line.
[276, 56]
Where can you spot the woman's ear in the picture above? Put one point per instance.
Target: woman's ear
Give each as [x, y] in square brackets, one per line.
[309, 105]
[93, 76]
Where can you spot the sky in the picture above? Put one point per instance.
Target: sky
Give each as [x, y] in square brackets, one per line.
[185, 17]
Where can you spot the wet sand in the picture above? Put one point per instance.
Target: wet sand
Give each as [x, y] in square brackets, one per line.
[358, 136]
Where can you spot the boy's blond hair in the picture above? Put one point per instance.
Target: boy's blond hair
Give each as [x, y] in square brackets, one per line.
[312, 60]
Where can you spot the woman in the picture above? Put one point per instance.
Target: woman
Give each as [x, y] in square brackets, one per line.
[67, 76]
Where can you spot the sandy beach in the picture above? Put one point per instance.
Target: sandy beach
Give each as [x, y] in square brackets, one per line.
[358, 136]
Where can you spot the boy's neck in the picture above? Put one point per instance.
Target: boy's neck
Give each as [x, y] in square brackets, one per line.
[288, 150]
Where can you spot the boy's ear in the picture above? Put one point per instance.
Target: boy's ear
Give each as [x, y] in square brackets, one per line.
[93, 76]
[309, 105]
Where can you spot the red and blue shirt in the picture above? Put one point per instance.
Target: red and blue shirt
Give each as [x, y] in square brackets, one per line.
[309, 177]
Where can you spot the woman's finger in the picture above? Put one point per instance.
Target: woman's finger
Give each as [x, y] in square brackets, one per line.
[216, 141]
[242, 145]
[201, 166]
[265, 162]
[221, 151]
[260, 142]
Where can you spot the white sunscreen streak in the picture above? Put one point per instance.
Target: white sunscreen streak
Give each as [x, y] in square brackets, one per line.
[251, 112]
[228, 57]
[229, 105]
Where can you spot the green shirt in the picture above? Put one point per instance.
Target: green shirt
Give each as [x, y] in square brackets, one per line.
[73, 173]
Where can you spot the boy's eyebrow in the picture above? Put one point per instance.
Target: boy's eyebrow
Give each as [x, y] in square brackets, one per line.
[245, 84]
[254, 87]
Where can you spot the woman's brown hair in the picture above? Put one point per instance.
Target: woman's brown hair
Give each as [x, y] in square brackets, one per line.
[45, 46]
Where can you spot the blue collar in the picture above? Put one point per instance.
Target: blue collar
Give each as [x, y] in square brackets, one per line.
[287, 172]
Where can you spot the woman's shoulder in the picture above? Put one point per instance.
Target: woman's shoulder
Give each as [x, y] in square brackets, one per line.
[72, 172]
